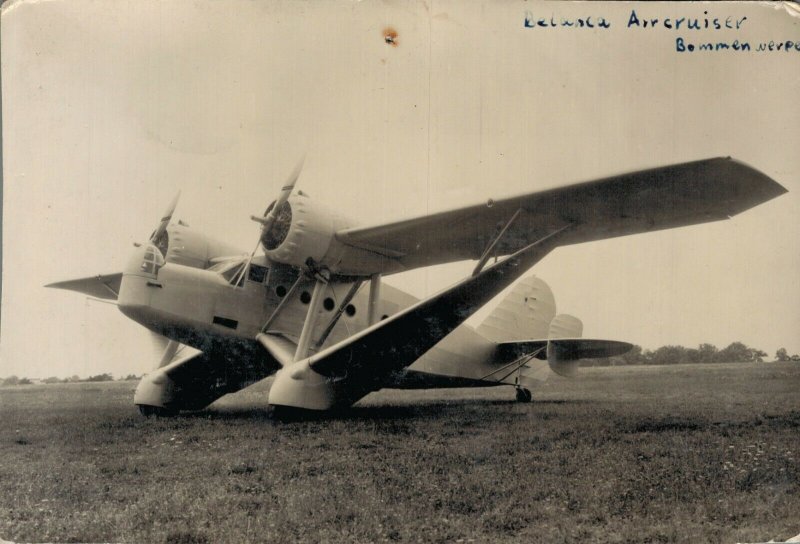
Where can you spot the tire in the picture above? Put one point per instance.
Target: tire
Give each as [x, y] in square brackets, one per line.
[524, 395]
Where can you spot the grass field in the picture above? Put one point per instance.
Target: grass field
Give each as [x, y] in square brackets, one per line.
[636, 454]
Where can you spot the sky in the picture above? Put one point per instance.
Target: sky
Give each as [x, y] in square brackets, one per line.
[110, 108]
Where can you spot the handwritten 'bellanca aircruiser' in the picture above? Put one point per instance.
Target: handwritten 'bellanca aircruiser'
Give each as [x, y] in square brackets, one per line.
[310, 307]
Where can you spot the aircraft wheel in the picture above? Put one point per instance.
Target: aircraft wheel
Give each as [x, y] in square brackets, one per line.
[157, 411]
[524, 395]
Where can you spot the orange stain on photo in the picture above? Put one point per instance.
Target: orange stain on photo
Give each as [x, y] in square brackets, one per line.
[390, 36]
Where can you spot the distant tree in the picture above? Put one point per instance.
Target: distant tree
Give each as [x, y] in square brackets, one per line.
[692, 355]
[706, 353]
[129, 377]
[101, 378]
[782, 355]
[737, 352]
[24, 381]
[632, 357]
[669, 355]
[73, 379]
[52, 379]
[11, 380]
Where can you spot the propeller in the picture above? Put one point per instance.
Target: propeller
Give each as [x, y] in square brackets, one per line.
[268, 220]
[165, 219]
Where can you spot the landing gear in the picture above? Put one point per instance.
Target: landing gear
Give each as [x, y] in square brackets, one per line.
[157, 411]
[524, 395]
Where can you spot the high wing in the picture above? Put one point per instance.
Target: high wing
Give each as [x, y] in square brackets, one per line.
[104, 286]
[643, 201]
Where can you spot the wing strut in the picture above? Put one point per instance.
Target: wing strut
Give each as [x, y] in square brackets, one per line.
[311, 316]
[169, 353]
[339, 311]
[525, 358]
[374, 297]
[488, 251]
[281, 304]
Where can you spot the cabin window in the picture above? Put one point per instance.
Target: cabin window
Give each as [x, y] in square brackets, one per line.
[257, 273]
[350, 310]
[305, 297]
[328, 304]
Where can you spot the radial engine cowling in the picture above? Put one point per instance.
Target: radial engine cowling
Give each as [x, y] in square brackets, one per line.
[305, 229]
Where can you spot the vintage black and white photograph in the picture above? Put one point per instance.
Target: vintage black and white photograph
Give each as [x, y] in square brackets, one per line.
[371, 271]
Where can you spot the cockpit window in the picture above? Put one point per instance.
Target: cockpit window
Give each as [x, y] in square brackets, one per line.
[153, 260]
[232, 272]
[233, 275]
[162, 242]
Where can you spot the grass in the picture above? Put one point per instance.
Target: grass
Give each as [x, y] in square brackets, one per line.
[643, 454]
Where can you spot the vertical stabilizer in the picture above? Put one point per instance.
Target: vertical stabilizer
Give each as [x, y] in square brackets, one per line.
[523, 314]
[565, 326]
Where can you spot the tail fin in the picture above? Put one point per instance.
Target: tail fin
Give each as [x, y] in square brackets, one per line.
[525, 313]
[565, 326]
[525, 323]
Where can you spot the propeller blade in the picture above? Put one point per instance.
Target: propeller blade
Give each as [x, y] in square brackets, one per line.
[165, 219]
[284, 195]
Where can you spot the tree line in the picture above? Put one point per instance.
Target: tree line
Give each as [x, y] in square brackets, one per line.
[16, 380]
[736, 352]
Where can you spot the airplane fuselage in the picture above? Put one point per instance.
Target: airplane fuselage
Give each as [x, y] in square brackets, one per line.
[219, 310]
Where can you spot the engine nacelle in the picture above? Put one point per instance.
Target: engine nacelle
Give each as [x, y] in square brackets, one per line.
[191, 248]
[305, 229]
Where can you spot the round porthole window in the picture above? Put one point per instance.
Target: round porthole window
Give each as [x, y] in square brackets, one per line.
[280, 291]
[350, 310]
[305, 297]
[328, 304]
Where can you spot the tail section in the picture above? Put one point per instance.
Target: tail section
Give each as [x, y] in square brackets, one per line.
[565, 326]
[525, 313]
[525, 324]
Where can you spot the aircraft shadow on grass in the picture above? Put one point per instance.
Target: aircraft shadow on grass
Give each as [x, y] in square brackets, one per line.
[433, 409]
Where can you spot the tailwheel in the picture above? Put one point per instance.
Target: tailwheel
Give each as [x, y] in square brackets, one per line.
[155, 411]
[524, 395]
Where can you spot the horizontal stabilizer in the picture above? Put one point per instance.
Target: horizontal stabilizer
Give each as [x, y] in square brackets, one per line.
[563, 355]
[568, 349]
[104, 286]
[571, 349]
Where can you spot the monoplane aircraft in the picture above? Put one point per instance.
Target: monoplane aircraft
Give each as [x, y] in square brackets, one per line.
[310, 306]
